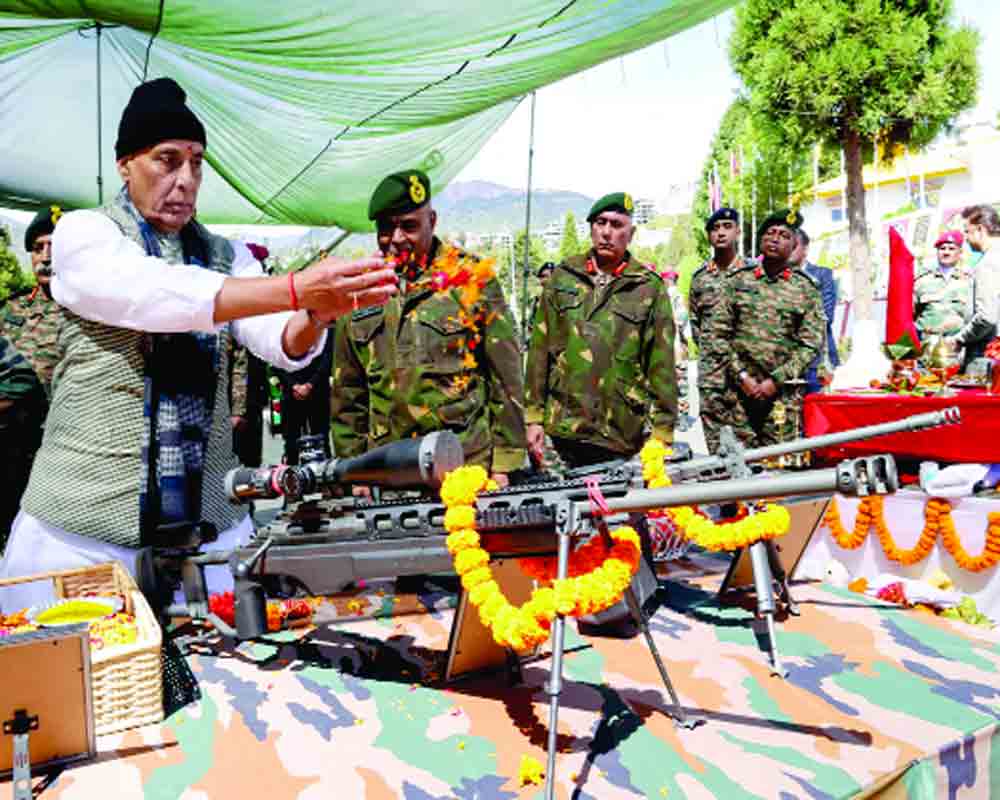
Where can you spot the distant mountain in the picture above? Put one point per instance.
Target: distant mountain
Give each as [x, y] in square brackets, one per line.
[484, 207]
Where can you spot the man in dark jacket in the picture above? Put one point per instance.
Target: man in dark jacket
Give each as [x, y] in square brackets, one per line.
[827, 285]
[305, 402]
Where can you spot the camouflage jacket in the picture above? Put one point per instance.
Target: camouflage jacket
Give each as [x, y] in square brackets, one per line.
[21, 420]
[941, 303]
[601, 361]
[704, 295]
[17, 379]
[32, 324]
[770, 327]
[402, 370]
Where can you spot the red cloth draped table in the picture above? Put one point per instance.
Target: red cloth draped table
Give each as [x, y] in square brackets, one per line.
[976, 440]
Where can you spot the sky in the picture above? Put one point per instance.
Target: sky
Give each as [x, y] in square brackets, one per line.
[670, 98]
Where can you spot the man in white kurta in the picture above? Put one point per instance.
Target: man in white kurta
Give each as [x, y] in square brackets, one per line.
[138, 437]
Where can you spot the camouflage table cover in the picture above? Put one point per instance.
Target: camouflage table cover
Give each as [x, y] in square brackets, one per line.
[878, 701]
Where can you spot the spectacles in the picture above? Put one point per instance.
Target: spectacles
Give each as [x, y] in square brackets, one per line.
[41, 247]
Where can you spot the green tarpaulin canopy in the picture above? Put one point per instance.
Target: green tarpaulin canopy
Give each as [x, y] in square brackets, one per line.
[307, 103]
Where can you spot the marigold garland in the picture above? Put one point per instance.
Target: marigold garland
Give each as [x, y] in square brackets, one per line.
[454, 269]
[600, 575]
[768, 523]
[937, 520]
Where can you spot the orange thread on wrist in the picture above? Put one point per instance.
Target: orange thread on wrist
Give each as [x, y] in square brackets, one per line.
[291, 291]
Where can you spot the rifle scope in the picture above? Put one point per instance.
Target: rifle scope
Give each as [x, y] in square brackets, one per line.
[406, 464]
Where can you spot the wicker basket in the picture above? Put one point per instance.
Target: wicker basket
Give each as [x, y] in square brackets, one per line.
[127, 679]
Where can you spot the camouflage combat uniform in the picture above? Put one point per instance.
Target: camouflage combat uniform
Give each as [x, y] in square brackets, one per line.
[941, 302]
[770, 328]
[601, 360]
[20, 429]
[402, 370]
[32, 324]
[716, 399]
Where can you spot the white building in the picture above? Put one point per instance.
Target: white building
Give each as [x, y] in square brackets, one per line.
[487, 241]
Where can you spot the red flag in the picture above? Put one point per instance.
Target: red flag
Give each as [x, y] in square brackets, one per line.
[899, 313]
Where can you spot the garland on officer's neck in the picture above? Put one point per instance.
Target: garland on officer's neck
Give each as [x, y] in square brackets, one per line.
[467, 275]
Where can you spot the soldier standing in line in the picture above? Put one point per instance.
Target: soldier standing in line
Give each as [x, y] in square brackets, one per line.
[437, 357]
[766, 331]
[22, 410]
[942, 292]
[601, 359]
[715, 398]
[32, 321]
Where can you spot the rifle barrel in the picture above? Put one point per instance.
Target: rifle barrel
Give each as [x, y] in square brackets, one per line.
[916, 422]
[870, 475]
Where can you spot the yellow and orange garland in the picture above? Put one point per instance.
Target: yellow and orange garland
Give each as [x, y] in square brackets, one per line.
[454, 270]
[769, 522]
[599, 575]
[937, 520]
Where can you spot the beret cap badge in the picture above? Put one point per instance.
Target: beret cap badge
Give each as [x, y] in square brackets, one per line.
[417, 191]
[56, 213]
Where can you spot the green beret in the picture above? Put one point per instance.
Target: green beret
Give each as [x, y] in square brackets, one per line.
[400, 193]
[616, 201]
[787, 217]
[43, 224]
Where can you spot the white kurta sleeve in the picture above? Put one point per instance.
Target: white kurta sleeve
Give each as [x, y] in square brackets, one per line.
[102, 276]
[262, 334]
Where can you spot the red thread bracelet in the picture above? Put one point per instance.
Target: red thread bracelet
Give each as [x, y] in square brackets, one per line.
[291, 291]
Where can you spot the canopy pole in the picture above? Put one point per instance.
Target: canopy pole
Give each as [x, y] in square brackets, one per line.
[527, 228]
[100, 169]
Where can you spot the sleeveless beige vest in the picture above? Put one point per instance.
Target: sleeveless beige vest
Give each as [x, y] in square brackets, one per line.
[85, 479]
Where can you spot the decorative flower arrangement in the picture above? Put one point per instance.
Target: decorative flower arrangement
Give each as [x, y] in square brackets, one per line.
[465, 276]
[937, 521]
[599, 575]
[767, 521]
[110, 630]
[293, 612]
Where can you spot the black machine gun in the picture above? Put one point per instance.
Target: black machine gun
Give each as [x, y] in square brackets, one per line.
[330, 539]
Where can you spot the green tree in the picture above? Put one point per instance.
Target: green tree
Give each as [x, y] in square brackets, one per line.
[13, 278]
[570, 244]
[847, 72]
[682, 242]
[758, 173]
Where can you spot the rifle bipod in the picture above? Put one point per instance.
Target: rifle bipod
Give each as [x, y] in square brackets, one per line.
[567, 523]
[761, 555]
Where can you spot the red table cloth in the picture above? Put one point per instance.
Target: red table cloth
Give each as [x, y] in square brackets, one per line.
[976, 440]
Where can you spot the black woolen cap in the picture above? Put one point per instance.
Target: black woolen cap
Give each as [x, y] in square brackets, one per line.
[156, 112]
